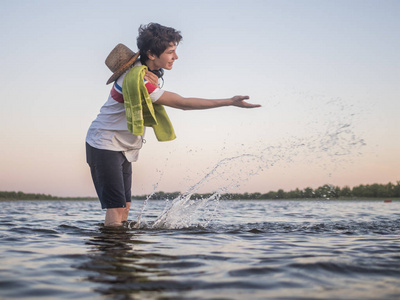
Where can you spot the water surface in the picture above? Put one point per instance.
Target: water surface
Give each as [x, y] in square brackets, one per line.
[225, 250]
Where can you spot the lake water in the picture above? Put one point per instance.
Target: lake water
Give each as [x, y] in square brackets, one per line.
[221, 250]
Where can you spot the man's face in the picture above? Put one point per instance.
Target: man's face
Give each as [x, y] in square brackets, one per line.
[166, 59]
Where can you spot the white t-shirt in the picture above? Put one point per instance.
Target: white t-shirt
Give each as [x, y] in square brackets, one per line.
[109, 130]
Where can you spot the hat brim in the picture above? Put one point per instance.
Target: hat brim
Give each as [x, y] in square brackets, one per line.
[123, 68]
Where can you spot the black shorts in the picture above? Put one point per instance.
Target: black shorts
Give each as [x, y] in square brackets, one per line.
[112, 176]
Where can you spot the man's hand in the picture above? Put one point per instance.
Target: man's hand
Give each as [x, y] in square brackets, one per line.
[239, 102]
[151, 77]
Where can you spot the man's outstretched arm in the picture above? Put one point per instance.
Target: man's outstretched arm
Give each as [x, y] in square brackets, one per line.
[176, 101]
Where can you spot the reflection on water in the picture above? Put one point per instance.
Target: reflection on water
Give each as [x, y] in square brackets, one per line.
[303, 249]
[123, 269]
[116, 264]
[250, 250]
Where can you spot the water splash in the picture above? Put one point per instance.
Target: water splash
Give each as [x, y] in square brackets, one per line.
[155, 186]
[184, 210]
[331, 142]
[137, 225]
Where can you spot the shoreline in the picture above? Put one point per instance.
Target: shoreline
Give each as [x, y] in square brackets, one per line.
[388, 199]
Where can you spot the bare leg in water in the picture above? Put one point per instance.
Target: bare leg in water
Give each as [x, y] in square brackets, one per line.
[115, 216]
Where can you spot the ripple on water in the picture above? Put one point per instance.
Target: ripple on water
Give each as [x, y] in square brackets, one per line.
[316, 252]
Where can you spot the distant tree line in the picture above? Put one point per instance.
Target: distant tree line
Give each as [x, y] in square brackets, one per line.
[31, 196]
[389, 190]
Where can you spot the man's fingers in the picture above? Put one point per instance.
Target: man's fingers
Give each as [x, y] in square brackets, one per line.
[250, 105]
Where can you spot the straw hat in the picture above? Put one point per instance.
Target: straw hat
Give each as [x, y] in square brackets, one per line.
[119, 60]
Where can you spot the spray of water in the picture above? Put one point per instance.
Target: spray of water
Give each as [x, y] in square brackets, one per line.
[334, 142]
[183, 209]
[155, 186]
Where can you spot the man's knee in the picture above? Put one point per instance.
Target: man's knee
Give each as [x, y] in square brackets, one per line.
[114, 216]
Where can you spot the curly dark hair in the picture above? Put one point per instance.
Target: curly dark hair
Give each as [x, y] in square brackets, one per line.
[156, 38]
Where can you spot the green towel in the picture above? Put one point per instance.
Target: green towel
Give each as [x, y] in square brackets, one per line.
[140, 111]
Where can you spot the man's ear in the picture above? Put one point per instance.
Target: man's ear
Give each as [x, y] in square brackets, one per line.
[150, 55]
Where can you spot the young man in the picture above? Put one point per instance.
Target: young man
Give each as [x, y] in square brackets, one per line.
[115, 136]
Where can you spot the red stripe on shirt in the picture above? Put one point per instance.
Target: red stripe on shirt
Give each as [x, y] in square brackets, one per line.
[117, 96]
[150, 87]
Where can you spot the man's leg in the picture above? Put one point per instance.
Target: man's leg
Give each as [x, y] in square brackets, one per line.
[126, 211]
[127, 173]
[112, 177]
[115, 216]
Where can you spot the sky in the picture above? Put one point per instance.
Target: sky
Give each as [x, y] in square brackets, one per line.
[326, 73]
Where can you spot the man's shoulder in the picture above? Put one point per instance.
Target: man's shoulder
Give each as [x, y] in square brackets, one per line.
[120, 80]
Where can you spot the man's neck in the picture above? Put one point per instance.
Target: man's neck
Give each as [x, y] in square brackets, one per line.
[150, 64]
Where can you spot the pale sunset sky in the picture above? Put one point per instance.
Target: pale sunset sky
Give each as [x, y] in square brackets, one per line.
[326, 73]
